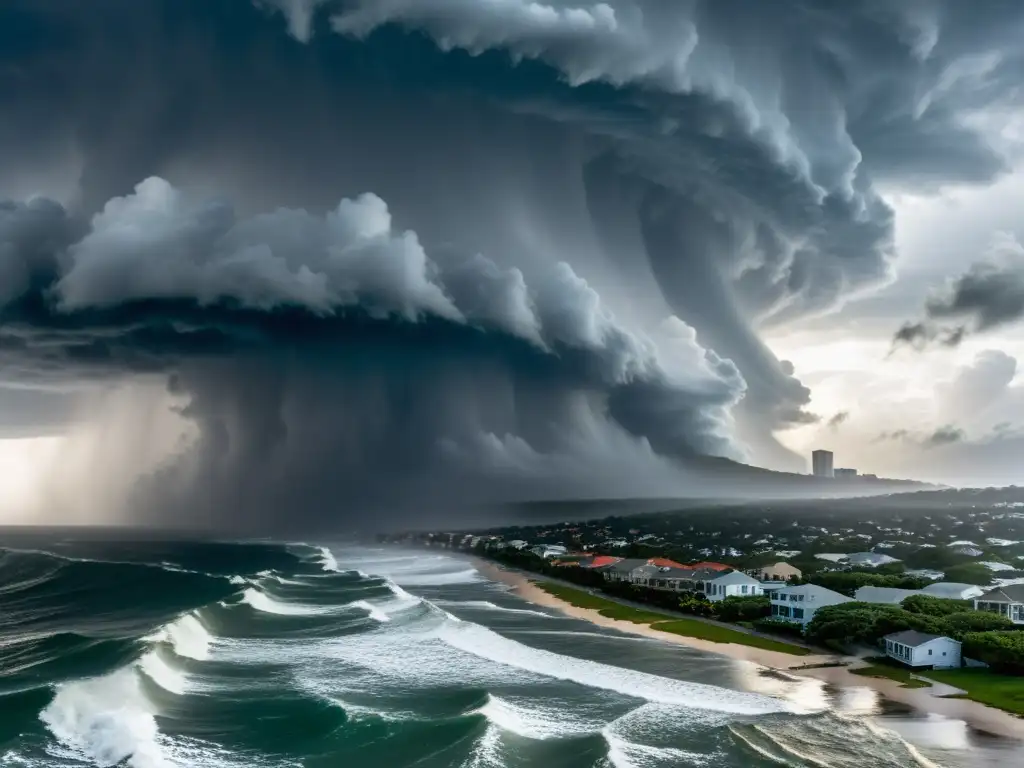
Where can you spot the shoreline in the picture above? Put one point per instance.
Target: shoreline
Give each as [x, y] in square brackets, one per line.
[976, 715]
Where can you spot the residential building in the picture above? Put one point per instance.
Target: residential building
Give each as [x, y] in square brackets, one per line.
[599, 561]
[780, 571]
[710, 566]
[734, 584]
[664, 562]
[870, 559]
[821, 463]
[952, 590]
[918, 649]
[883, 595]
[845, 472]
[798, 604]
[1007, 601]
[621, 569]
[675, 579]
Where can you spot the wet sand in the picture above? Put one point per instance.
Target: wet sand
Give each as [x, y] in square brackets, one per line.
[976, 715]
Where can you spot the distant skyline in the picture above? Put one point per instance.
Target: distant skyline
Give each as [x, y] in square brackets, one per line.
[266, 259]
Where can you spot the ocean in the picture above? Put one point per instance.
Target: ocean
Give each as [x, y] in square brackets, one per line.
[250, 654]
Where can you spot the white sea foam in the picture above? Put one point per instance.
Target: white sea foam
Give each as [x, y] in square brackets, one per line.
[627, 754]
[375, 613]
[238, 580]
[482, 642]
[266, 604]
[327, 561]
[107, 721]
[163, 674]
[532, 722]
[280, 579]
[489, 606]
[187, 636]
[438, 578]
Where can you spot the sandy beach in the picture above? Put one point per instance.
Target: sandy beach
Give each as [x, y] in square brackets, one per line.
[976, 715]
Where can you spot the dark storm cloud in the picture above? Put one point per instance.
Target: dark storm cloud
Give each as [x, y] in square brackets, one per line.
[838, 419]
[711, 160]
[990, 294]
[944, 435]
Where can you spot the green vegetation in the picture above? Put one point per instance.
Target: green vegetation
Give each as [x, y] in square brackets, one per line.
[1002, 651]
[685, 627]
[984, 686]
[969, 573]
[927, 605]
[881, 667]
[737, 609]
[866, 623]
[717, 634]
[848, 582]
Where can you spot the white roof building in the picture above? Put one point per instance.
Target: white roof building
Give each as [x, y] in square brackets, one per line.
[735, 584]
[799, 604]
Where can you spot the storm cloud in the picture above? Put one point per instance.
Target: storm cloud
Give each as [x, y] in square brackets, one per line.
[989, 295]
[388, 249]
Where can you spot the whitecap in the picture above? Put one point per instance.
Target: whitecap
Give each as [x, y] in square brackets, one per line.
[106, 721]
[264, 603]
[375, 613]
[484, 643]
[187, 637]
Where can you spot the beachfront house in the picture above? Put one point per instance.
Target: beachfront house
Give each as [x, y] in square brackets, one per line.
[918, 649]
[798, 604]
[1007, 601]
[780, 571]
[883, 595]
[734, 584]
[953, 591]
[621, 570]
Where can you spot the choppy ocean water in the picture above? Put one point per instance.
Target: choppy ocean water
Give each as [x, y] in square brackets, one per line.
[261, 654]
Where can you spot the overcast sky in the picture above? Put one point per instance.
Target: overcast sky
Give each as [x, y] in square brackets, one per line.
[319, 255]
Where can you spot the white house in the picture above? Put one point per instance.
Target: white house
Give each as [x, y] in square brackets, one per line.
[1007, 601]
[735, 584]
[798, 604]
[952, 590]
[883, 595]
[917, 649]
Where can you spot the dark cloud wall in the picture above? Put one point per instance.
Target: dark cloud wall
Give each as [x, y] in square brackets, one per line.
[528, 192]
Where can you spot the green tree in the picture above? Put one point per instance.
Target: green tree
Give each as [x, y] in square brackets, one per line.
[969, 573]
[743, 608]
[959, 624]
[1003, 651]
[934, 606]
[868, 623]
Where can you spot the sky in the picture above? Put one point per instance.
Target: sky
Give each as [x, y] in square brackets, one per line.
[267, 261]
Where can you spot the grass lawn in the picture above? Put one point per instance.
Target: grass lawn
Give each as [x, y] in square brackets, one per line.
[685, 627]
[892, 672]
[716, 634]
[982, 685]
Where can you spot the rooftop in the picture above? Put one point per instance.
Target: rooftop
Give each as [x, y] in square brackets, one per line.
[913, 638]
[1011, 593]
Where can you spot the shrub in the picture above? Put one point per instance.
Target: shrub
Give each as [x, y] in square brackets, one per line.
[867, 623]
[969, 573]
[959, 624]
[848, 582]
[934, 606]
[743, 608]
[777, 627]
[1002, 651]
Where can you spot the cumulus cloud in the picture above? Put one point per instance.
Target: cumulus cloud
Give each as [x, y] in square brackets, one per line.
[559, 177]
[990, 294]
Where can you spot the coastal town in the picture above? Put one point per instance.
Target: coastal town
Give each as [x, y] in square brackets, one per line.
[918, 592]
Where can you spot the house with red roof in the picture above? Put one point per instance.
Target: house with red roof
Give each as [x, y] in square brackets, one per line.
[600, 561]
[664, 562]
[710, 566]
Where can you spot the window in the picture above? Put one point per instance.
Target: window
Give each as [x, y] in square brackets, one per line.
[743, 589]
[798, 613]
[929, 651]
